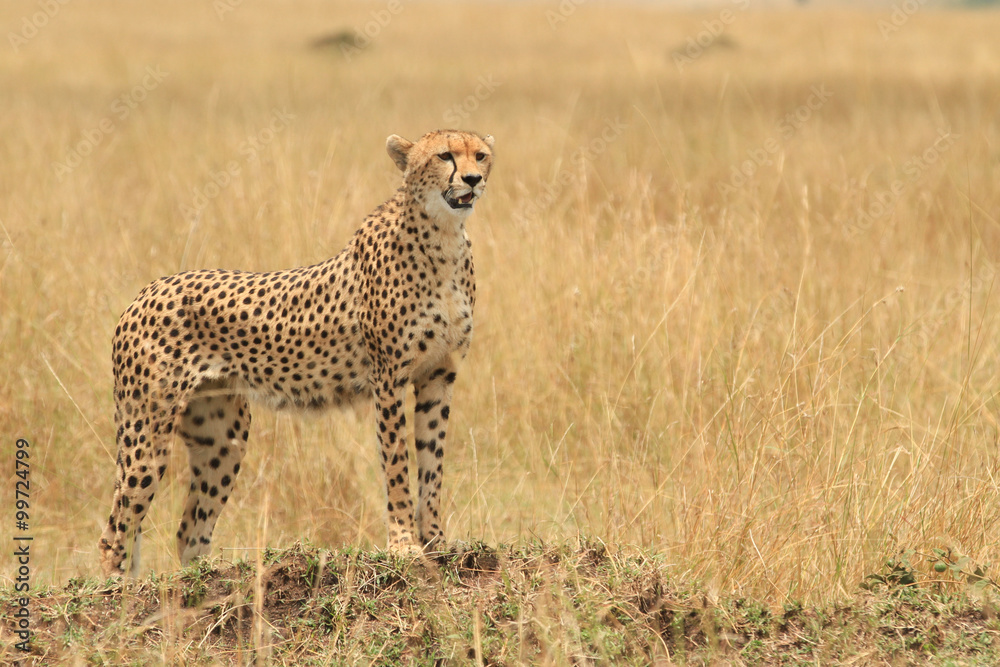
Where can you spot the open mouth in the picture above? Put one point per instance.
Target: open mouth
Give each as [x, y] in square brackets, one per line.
[465, 201]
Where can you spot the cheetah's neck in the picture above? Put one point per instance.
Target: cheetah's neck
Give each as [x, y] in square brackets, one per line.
[440, 235]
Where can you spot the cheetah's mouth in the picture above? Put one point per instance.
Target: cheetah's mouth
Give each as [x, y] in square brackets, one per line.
[463, 201]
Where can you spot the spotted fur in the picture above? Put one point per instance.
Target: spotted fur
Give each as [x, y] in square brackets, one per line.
[394, 308]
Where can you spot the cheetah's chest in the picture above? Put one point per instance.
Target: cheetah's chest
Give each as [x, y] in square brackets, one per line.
[444, 324]
[456, 308]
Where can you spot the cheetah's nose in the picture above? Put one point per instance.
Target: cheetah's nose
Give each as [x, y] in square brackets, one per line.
[472, 179]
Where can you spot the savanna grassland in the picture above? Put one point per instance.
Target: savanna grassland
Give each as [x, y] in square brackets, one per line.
[732, 395]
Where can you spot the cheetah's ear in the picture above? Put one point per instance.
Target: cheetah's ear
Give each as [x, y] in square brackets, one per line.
[398, 148]
[488, 140]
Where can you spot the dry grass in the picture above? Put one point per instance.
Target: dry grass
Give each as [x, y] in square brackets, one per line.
[730, 377]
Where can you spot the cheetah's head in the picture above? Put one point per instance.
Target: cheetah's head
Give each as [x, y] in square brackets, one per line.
[445, 170]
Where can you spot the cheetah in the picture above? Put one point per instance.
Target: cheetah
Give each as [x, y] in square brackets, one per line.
[392, 309]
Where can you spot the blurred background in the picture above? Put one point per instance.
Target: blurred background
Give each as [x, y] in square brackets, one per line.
[736, 265]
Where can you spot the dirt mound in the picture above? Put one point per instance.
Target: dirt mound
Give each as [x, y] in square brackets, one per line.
[495, 606]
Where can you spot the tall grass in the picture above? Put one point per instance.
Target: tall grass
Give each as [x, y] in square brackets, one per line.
[763, 378]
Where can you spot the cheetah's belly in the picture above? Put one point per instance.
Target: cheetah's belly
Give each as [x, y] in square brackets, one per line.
[336, 373]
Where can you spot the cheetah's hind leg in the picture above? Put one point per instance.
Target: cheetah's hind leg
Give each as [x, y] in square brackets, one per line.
[143, 438]
[215, 427]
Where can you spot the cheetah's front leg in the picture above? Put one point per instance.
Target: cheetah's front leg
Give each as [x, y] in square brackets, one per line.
[391, 424]
[433, 404]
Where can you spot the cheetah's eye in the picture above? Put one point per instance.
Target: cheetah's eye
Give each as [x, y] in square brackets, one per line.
[480, 157]
[447, 157]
